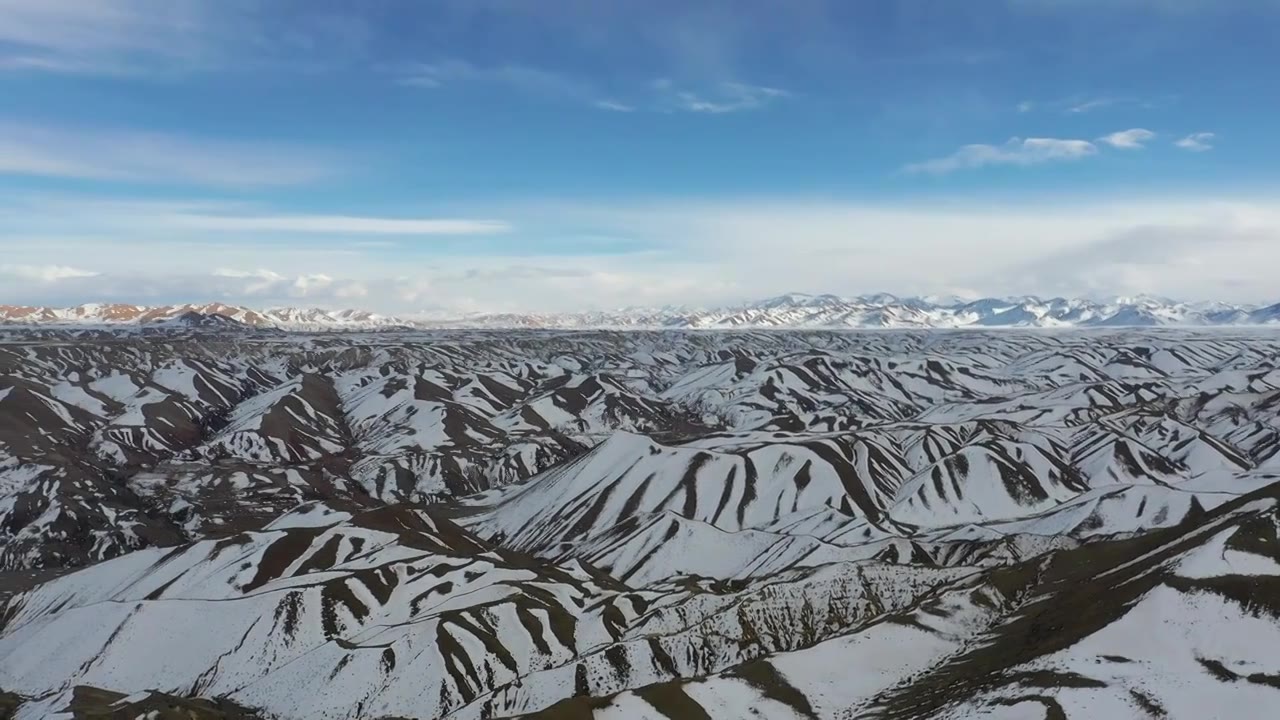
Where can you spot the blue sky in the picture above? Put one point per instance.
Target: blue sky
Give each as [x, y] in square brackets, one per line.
[409, 155]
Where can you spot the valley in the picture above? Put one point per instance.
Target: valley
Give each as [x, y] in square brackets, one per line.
[228, 522]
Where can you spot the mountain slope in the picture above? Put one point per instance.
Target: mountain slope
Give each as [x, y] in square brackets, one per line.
[1173, 624]
[222, 522]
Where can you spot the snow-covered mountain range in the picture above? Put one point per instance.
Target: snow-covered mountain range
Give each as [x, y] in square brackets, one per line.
[795, 310]
[208, 314]
[649, 524]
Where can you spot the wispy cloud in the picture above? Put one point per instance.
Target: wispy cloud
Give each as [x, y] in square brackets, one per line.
[162, 37]
[103, 37]
[1197, 142]
[1085, 104]
[259, 287]
[91, 25]
[661, 95]
[615, 106]
[44, 273]
[1091, 105]
[1017, 151]
[268, 283]
[1133, 139]
[706, 252]
[666, 95]
[334, 224]
[725, 97]
[148, 157]
[62, 65]
[523, 78]
[215, 220]
[1191, 260]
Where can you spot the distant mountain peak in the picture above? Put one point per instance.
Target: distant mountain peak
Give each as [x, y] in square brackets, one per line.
[790, 310]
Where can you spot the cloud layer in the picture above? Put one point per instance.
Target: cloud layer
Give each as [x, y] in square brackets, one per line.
[1197, 142]
[724, 98]
[1036, 151]
[1017, 151]
[658, 95]
[1134, 139]
[43, 273]
[89, 153]
[337, 224]
[682, 252]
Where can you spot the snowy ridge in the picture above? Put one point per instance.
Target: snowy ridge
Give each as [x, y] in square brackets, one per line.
[651, 524]
[1154, 626]
[794, 310]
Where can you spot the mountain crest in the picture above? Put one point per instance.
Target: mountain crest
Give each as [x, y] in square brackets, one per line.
[792, 310]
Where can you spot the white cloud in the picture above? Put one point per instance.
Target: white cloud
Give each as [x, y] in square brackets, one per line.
[62, 65]
[117, 37]
[723, 98]
[274, 286]
[1090, 105]
[1081, 105]
[1021, 152]
[501, 287]
[44, 273]
[434, 75]
[1197, 142]
[184, 236]
[1133, 139]
[152, 158]
[83, 26]
[267, 275]
[694, 252]
[1168, 259]
[255, 282]
[523, 78]
[614, 106]
[528, 80]
[756, 248]
[662, 93]
[159, 37]
[335, 224]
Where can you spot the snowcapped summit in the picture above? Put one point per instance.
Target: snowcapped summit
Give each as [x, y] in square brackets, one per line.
[795, 300]
[791, 310]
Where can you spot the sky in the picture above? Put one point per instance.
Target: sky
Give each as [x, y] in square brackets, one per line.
[412, 156]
